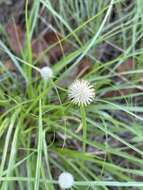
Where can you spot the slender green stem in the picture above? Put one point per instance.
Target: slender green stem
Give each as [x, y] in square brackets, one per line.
[28, 37]
[28, 50]
[84, 126]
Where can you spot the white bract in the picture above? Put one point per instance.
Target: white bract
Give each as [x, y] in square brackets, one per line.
[81, 92]
[46, 73]
[65, 180]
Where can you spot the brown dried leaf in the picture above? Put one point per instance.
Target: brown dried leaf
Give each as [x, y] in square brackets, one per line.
[38, 46]
[52, 37]
[58, 49]
[16, 41]
[16, 37]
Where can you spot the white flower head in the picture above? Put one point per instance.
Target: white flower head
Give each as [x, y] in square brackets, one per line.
[46, 73]
[65, 180]
[81, 92]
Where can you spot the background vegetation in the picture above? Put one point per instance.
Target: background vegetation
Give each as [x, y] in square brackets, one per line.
[40, 130]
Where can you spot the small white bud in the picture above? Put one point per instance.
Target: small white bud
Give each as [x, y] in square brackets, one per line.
[65, 180]
[46, 73]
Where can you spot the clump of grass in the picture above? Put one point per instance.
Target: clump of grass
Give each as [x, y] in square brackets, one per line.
[40, 129]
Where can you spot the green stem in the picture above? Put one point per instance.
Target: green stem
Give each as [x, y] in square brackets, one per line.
[28, 52]
[84, 126]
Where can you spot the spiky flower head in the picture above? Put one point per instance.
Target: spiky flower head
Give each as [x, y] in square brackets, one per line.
[46, 73]
[65, 180]
[81, 92]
